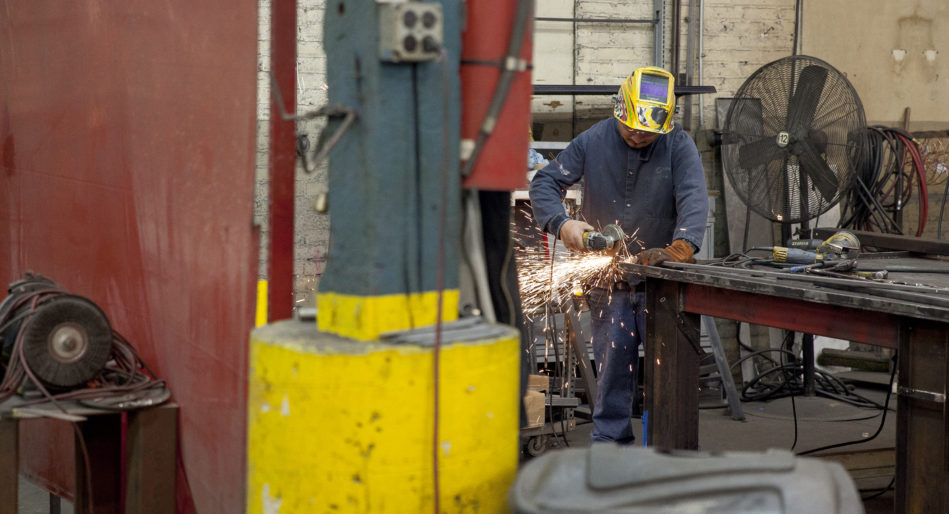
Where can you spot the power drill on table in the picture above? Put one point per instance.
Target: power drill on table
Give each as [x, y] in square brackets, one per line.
[609, 239]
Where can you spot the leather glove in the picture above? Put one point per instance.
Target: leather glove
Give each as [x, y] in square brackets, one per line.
[679, 251]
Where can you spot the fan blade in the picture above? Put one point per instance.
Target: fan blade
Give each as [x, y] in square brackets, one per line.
[816, 169]
[803, 105]
[756, 153]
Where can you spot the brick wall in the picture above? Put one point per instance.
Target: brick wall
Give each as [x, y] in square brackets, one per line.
[311, 236]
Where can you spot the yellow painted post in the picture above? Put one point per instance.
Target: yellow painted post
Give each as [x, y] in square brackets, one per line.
[337, 425]
[365, 317]
[261, 317]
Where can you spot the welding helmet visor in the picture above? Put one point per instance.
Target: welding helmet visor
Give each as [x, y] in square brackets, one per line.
[646, 100]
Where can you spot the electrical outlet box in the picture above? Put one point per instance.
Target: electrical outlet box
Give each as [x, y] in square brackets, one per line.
[410, 31]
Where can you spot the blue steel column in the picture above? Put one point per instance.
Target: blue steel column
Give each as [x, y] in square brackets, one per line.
[386, 172]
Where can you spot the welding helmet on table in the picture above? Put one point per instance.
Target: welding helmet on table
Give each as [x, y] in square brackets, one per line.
[646, 100]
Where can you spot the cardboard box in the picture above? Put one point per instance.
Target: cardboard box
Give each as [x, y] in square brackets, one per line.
[538, 382]
[534, 404]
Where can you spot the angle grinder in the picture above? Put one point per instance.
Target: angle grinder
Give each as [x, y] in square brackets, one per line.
[841, 245]
[609, 239]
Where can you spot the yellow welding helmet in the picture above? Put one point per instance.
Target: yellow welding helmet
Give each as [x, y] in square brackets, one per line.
[646, 100]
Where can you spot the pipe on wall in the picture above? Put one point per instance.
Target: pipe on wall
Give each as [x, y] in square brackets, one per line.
[659, 34]
[701, 74]
[674, 57]
[690, 63]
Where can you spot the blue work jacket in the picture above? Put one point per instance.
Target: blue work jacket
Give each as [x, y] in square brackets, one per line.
[657, 192]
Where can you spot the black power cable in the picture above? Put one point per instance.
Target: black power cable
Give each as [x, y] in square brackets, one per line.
[878, 492]
[886, 407]
[942, 210]
[884, 182]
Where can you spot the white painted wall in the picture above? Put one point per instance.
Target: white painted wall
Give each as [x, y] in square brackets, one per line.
[896, 55]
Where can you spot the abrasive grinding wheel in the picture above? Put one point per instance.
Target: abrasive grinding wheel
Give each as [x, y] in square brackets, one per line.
[67, 341]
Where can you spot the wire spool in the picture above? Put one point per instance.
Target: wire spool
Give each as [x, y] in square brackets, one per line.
[66, 341]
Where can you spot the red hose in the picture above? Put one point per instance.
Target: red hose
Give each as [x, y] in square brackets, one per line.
[910, 145]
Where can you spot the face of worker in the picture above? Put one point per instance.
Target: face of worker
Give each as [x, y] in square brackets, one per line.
[636, 138]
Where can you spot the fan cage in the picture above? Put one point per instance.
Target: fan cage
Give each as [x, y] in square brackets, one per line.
[758, 118]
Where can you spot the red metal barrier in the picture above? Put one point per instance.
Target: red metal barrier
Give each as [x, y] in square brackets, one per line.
[127, 132]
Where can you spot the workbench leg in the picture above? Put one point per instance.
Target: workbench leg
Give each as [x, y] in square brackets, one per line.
[9, 466]
[671, 369]
[922, 473]
[150, 460]
[102, 435]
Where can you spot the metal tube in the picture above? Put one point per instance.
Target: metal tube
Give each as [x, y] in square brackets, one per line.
[701, 76]
[659, 36]
[283, 65]
[690, 45]
[798, 15]
[600, 20]
[674, 66]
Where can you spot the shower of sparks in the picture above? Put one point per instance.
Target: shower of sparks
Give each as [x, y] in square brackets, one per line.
[545, 287]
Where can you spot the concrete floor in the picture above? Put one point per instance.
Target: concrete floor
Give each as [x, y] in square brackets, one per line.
[32, 499]
[820, 422]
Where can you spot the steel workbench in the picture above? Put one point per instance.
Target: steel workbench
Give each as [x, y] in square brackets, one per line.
[909, 312]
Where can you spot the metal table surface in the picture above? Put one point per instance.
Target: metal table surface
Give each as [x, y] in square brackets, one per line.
[910, 314]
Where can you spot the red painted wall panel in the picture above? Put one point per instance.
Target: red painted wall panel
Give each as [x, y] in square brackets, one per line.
[127, 132]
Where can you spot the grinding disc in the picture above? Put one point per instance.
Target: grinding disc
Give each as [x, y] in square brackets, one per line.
[67, 341]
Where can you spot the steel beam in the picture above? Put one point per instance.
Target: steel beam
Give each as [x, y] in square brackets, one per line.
[874, 328]
[150, 460]
[922, 431]
[283, 65]
[9, 466]
[671, 369]
[98, 465]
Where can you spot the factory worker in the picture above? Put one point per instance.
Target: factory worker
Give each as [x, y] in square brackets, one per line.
[643, 172]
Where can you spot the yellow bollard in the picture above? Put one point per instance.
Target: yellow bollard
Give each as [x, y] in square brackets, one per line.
[337, 425]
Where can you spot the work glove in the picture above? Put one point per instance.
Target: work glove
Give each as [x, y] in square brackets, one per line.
[571, 233]
[679, 251]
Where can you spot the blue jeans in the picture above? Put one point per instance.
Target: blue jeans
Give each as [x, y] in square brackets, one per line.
[618, 322]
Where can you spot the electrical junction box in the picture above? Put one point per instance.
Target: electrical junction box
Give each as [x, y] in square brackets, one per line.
[410, 31]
